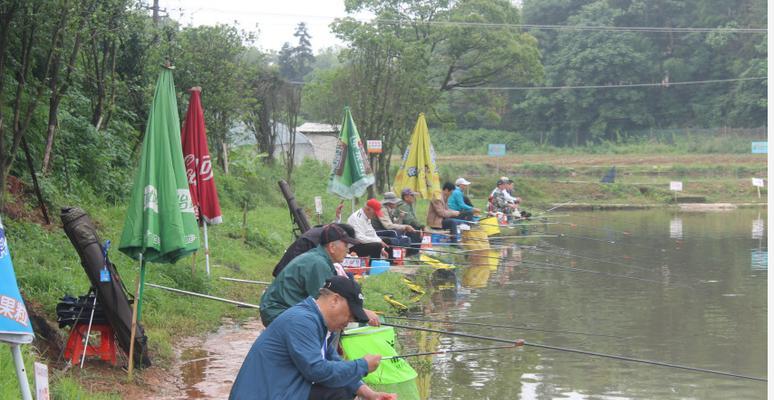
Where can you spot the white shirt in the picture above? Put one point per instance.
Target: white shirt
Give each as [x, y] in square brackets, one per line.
[364, 231]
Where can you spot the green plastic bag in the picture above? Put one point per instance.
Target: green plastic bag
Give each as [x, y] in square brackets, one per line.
[358, 342]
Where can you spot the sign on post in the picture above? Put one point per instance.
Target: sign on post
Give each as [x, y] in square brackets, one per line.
[676, 186]
[758, 183]
[318, 209]
[496, 150]
[374, 146]
[760, 147]
[41, 381]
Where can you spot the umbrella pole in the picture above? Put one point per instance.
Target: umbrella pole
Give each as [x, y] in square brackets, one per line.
[136, 310]
[21, 374]
[206, 248]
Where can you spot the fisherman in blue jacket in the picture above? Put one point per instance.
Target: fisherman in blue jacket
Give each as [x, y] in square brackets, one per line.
[295, 359]
[456, 201]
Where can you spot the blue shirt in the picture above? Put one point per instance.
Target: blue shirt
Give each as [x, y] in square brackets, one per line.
[456, 202]
[287, 358]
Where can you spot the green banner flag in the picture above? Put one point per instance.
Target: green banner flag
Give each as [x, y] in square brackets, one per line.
[351, 173]
[160, 223]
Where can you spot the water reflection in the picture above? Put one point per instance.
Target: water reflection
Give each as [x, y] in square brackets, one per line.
[676, 228]
[712, 296]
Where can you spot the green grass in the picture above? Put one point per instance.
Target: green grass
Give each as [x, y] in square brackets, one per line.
[48, 267]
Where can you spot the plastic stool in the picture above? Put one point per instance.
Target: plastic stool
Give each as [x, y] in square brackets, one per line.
[106, 350]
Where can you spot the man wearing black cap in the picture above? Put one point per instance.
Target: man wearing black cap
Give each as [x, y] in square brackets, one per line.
[306, 274]
[309, 240]
[294, 358]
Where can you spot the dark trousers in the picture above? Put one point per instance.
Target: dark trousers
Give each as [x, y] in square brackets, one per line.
[373, 250]
[325, 393]
[416, 242]
[451, 225]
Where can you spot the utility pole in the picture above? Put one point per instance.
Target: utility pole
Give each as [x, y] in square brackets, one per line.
[156, 12]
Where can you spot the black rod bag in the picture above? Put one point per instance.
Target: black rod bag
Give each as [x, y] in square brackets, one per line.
[111, 295]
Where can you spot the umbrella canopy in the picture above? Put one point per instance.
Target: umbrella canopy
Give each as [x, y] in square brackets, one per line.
[160, 224]
[198, 164]
[351, 173]
[15, 324]
[418, 170]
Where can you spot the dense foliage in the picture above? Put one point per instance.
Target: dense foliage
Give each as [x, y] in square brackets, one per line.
[76, 79]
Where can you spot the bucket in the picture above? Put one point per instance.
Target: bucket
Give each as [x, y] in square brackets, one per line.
[427, 240]
[355, 265]
[490, 226]
[439, 238]
[379, 267]
[475, 239]
[398, 253]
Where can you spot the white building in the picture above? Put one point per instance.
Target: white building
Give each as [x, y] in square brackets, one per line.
[323, 138]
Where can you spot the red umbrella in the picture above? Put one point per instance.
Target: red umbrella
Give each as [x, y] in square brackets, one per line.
[198, 168]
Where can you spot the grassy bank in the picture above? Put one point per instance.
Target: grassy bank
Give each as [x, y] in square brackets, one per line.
[257, 229]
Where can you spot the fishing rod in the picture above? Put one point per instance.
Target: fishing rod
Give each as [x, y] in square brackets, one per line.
[557, 267]
[245, 281]
[521, 342]
[429, 353]
[523, 236]
[526, 328]
[541, 251]
[205, 296]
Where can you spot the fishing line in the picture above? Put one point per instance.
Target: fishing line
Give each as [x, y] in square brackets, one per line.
[526, 328]
[573, 255]
[428, 353]
[521, 342]
[550, 266]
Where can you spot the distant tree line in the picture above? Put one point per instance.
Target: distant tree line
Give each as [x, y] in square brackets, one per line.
[77, 76]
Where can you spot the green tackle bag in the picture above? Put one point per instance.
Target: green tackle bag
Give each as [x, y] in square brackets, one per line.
[358, 342]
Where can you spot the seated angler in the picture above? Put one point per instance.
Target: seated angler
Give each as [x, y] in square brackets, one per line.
[306, 274]
[457, 203]
[390, 226]
[295, 357]
[439, 216]
[309, 240]
[371, 245]
[502, 202]
[409, 217]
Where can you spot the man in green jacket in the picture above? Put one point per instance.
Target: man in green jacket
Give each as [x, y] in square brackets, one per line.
[406, 208]
[306, 274]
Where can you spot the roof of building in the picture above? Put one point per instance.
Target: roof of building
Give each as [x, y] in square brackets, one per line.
[318, 128]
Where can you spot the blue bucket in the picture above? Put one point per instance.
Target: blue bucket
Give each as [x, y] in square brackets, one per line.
[379, 267]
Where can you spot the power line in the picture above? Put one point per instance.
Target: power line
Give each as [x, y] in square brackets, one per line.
[630, 85]
[661, 29]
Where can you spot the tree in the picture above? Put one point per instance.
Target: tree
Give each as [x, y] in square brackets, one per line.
[210, 57]
[400, 63]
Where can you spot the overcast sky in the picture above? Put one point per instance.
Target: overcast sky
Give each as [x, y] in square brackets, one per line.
[275, 20]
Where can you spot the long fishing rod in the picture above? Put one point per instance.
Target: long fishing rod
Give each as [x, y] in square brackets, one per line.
[526, 328]
[557, 267]
[521, 342]
[205, 296]
[429, 353]
[245, 281]
[541, 251]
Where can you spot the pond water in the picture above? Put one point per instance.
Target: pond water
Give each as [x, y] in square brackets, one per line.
[674, 287]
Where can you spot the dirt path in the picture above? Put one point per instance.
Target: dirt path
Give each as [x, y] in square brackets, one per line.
[207, 366]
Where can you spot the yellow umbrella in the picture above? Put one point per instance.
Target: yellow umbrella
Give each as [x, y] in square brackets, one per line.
[418, 170]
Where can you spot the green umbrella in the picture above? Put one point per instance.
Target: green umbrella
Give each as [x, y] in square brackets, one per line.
[160, 224]
[351, 173]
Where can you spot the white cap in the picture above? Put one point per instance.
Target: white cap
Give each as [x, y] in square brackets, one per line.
[461, 181]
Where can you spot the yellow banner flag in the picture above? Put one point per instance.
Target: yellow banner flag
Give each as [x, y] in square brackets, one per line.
[418, 170]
